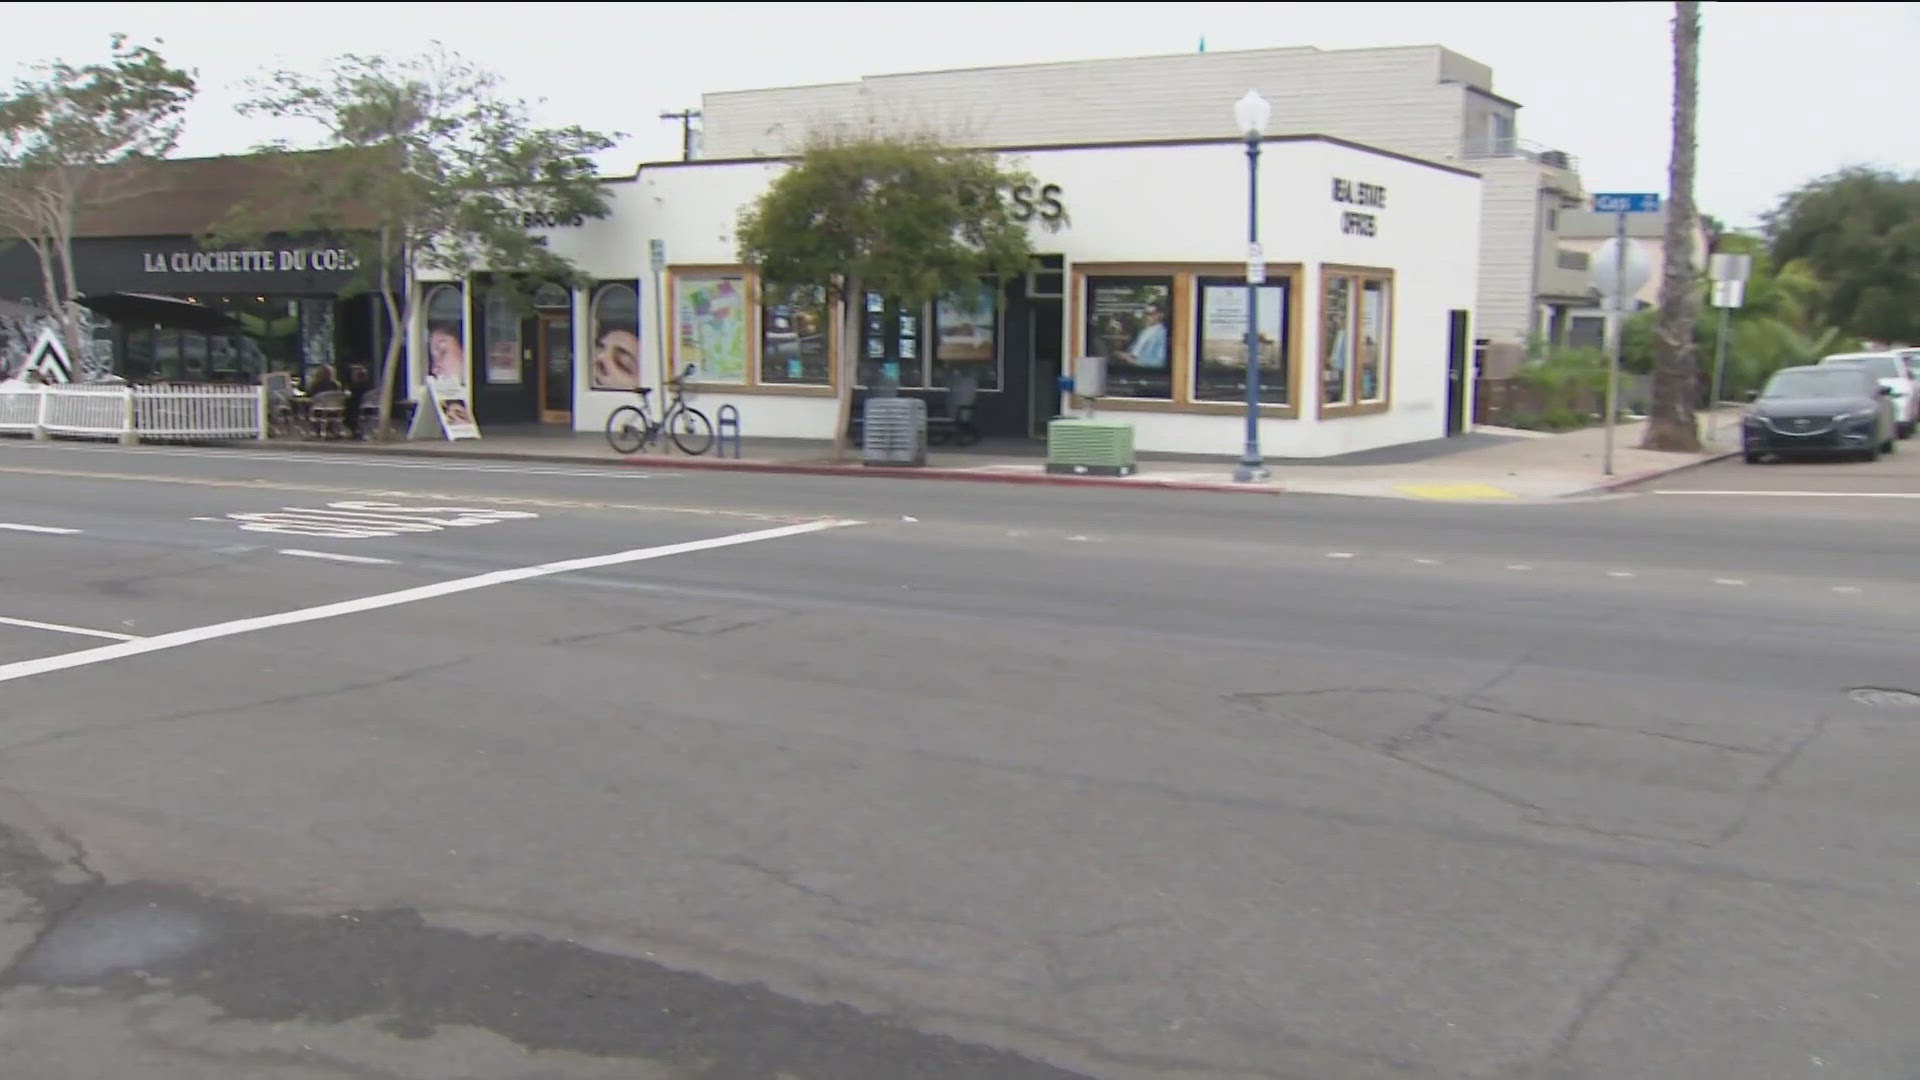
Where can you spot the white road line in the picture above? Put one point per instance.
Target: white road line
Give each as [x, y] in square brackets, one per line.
[59, 629]
[1799, 494]
[1846, 590]
[48, 529]
[1729, 581]
[1620, 573]
[1428, 562]
[24, 668]
[1339, 554]
[1519, 566]
[363, 559]
[613, 470]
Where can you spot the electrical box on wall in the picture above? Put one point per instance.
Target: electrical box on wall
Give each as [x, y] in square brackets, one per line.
[1090, 376]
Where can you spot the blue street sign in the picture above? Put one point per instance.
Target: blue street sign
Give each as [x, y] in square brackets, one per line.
[1636, 202]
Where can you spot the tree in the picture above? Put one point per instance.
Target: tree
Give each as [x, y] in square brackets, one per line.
[78, 138]
[901, 216]
[1670, 419]
[1859, 230]
[436, 171]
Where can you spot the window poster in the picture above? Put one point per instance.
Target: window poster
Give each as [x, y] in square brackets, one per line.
[712, 317]
[616, 337]
[1336, 341]
[1221, 356]
[1127, 322]
[1373, 339]
[502, 330]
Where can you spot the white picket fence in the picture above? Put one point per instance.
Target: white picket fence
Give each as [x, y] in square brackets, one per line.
[161, 412]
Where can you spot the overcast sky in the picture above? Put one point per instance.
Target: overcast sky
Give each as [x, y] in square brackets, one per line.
[1788, 91]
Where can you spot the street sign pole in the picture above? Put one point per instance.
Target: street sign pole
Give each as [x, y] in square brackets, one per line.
[1619, 320]
[1729, 273]
[1617, 286]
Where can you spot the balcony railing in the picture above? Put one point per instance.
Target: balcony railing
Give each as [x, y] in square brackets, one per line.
[1486, 146]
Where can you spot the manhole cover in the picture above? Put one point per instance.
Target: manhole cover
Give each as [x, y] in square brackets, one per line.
[1881, 698]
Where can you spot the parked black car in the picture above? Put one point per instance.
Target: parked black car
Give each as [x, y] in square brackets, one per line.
[1836, 409]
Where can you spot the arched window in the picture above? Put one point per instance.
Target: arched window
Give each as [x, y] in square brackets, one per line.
[446, 333]
[616, 337]
[551, 296]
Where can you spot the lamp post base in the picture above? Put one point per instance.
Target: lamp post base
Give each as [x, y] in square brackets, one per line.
[1250, 472]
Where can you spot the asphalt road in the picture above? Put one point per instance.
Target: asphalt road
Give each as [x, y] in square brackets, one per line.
[343, 767]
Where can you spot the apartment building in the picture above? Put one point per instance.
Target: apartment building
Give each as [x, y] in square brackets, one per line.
[1424, 101]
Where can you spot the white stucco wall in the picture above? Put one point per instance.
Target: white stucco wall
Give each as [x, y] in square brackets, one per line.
[1165, 204]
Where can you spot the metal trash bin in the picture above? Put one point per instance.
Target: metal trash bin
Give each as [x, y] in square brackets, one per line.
[893, 431]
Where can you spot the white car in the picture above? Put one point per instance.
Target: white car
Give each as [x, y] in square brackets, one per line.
[1893, 373]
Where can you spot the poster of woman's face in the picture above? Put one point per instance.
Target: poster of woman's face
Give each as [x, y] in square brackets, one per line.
[446, 353]
[616, 356]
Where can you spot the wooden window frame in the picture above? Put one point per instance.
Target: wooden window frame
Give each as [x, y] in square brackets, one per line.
[756, 302]
[1360, 277]
[1182, 327]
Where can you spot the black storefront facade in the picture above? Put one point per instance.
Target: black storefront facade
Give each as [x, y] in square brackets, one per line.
[171, 308]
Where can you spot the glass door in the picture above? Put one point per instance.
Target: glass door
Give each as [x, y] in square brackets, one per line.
[556, 369]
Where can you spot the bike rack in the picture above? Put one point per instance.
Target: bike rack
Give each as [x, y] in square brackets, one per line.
[727, 426]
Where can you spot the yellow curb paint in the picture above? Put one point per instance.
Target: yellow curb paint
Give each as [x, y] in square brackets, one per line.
[1454, 492]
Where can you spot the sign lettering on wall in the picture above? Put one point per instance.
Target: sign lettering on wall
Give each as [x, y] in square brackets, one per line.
[252, 261]
[1042, 203]
[1362, 194]
[535, 219]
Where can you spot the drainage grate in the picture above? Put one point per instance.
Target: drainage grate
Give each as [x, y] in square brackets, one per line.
[1882, 698]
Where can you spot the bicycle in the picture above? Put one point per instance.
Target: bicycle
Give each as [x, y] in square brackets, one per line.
[632, 429]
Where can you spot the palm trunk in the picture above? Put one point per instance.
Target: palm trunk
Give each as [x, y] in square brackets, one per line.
[852, 310]
[1670, 421]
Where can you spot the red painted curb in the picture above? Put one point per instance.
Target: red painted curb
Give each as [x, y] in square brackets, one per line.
[923, 473]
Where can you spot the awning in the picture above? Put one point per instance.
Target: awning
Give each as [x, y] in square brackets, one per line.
[147, 309]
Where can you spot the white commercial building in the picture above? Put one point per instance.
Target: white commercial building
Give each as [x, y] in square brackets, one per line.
[1421, 100]
[1364, 318]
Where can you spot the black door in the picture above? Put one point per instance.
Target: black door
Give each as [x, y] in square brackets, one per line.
[1457, 352]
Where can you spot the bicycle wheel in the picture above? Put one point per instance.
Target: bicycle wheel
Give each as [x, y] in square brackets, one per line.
[627, 430]
[691, 430]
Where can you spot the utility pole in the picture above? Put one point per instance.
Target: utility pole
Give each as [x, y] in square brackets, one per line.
[686, 118]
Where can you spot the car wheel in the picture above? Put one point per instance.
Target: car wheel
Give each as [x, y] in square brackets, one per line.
[1905, 431]
[1871, 453]
[1753, 457]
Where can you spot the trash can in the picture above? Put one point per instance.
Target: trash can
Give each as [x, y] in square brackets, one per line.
[893, 431]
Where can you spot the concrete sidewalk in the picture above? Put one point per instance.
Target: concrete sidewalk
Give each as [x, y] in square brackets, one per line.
[1489, 464]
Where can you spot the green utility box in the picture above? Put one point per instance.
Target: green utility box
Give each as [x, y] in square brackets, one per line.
[1083, 447]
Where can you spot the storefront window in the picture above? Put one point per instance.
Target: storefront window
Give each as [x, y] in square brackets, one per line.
[446, 336]
[1356, 350]
[893, 344]
[966, 338]
[616, 337]
[793, 341]
[1373, 341]
[1128, 322]
[1336, 340]
[710, 326]
[1220, 352]
[501, 325]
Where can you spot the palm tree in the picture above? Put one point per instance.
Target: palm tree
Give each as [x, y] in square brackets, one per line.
[1670, 420]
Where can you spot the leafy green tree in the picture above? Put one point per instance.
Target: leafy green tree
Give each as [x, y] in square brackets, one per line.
[76, 139]
[436, 171]
[1859, 230]
[902, 216]
[1670, 419]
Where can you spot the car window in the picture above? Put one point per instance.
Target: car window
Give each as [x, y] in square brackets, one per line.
[1834, 382]
[1884, 367]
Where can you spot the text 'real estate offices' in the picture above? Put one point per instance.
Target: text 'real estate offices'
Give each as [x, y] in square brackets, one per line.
[1371, 261]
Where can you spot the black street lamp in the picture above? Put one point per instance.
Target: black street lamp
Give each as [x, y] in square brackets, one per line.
[1250, 113]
